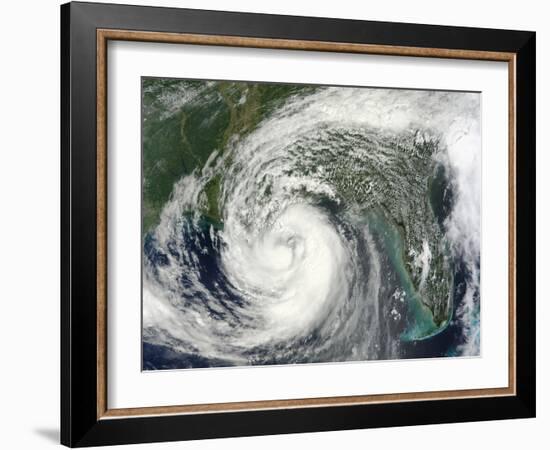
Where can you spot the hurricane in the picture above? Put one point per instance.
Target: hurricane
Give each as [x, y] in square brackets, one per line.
[291, 224]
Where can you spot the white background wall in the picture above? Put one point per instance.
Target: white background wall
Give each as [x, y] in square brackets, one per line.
[29, 224]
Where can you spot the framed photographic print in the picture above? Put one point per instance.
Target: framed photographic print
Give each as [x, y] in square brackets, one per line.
[276, 224]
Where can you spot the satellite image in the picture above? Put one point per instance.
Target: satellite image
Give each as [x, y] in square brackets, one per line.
[294, 224]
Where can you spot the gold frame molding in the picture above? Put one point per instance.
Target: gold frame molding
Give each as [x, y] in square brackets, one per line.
[104, 35]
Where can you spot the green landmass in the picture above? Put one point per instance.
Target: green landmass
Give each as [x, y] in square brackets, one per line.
[180, 138]
[399, 187]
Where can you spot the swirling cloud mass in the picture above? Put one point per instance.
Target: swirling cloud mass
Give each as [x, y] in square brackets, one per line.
[298, 224]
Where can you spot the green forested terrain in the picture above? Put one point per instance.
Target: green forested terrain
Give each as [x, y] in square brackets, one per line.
[179, 134]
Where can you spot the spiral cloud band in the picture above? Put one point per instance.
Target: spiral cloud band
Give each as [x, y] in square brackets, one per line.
[298, 224]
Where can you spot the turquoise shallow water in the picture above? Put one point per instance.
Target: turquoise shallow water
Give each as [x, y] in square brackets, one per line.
[419, 319]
